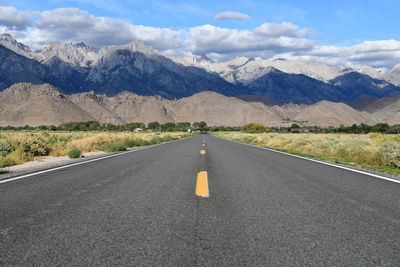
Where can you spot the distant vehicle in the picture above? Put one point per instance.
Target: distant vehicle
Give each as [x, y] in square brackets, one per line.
[138, 130]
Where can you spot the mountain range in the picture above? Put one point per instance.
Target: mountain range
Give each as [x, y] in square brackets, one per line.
[142, 70]
[26, 103]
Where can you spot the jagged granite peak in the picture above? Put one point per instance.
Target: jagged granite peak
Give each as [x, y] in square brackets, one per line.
[237, 61]
[203, 62]
[9, 42]
[316, 70]
[139, 68]
[78, 55]
[372, 72]
[199, 58]
[133, 46]
[192, 60]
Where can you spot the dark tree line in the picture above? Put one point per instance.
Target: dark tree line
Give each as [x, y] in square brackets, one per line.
[202, 126]
[130, 127]
[356, 129]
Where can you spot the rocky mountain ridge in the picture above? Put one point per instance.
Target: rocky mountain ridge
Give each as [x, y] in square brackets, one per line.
[26, 103]
[138, 68]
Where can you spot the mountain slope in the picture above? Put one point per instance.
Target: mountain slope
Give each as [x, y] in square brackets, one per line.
[151, 74]
[16, 68]
[255, 98]
[26, 103]
[284, 88]
[328, 113]
[386, 109]
[354, 84]
[393, 75]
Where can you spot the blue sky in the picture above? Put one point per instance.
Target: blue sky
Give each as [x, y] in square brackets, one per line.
[335, 24]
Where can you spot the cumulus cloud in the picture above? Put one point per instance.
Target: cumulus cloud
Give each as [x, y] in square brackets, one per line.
[75, 25]
[384, 53]
[11, 18]
[231, 15]
[268, 41]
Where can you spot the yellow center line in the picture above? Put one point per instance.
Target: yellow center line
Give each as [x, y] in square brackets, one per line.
[202, 184]
[203, 152]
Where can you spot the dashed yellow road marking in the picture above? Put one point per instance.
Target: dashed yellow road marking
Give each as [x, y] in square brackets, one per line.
[202, 184]
[203, 144]
[203, 152]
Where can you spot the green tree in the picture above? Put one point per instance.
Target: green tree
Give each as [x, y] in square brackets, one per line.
[183, 126]
[200, 126]
[154, 125]
[169, 126]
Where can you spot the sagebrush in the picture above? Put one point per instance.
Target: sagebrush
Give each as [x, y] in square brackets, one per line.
[20, 146]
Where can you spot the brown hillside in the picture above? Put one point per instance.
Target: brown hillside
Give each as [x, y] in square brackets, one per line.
[26, 103]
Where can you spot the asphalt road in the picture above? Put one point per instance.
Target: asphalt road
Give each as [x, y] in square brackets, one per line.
[140, 208]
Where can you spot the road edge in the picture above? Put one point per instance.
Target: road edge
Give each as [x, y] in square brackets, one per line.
[23, 176]
[317, 161]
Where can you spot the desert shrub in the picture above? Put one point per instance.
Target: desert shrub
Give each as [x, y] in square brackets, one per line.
[167, 138]
[5, 148]
[74, 153]
[379, 159]
[391, 151]
[254, 128]
[155, 140]
[131, 142]
[115, 147]
[248, 139]
[34, 147]
[4, 162]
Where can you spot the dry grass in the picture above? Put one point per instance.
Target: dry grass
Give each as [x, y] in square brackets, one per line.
[363, 150]
[17, 147]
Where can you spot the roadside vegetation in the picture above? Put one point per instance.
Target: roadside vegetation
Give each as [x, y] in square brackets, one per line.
[375, 151]
[17, 147]
[108, 127]
[376, 147]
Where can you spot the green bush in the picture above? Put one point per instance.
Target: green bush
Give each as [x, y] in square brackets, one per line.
[167, 138]
[129, 142]
[5, 162]
[391, 151]
[5, 148]
[254, 128]
[115, 147]
[74, 153]
[155, 140]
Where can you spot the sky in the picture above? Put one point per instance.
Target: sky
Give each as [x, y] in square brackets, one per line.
[350, 33]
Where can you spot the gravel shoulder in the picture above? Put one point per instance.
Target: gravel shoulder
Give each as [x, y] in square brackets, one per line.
[47, 162]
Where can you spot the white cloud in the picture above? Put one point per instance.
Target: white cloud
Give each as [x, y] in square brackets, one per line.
[269, 40]
[75, 25]
[14, 19]
[231, 15]
[383, 53]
